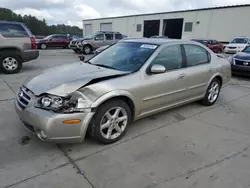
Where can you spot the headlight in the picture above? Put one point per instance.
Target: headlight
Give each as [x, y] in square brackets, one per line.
[75, 103]
[231, 59]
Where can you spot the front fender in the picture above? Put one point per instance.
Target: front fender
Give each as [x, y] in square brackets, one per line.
[118, 93]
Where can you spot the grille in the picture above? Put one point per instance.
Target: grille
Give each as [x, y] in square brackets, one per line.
[23, 97]
[232, 47]
[242, 63]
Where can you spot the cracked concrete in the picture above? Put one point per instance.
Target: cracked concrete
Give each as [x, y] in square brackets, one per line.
[191, 146]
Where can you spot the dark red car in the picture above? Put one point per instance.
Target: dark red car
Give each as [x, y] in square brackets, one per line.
[214, 45]
[53, 41]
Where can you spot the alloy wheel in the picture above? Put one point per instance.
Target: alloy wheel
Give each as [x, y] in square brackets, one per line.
[113, 123]
[10, 63]
[213, 92]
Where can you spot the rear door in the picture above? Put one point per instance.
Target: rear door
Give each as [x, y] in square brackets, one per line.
[63, 41]
[198, 71]
[118, 37]
[109, 39]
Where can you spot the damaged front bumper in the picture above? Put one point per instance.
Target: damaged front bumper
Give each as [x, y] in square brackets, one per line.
[50, 126]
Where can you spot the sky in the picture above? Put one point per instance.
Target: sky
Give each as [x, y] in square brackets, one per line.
[71, 12]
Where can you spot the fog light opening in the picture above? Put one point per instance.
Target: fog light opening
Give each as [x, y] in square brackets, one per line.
[41, 134]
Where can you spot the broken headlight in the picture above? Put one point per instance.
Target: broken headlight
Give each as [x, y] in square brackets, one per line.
[75, 103]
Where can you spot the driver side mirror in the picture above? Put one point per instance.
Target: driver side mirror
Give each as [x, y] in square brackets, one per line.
[157, 69]
[50, 39]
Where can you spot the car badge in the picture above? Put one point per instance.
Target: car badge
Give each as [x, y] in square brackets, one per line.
[21, 94]
[245, 63]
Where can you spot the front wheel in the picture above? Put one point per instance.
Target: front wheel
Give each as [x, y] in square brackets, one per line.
[87, 49]
[212, 93]
[43, 46]
[111, 121]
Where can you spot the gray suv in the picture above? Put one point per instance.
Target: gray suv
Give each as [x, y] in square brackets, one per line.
[99, 39]
[17, 45]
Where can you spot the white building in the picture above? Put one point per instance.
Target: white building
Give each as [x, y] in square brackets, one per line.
[221, 23]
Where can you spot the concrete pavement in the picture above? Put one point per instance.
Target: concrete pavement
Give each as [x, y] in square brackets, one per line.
[191, 146]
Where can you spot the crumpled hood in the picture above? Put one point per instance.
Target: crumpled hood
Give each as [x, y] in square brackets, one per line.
[242, 55]
[66, 79]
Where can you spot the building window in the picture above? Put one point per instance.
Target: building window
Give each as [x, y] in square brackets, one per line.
[188, 27]
[138, 27]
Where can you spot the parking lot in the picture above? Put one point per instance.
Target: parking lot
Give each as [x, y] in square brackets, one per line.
[188, 147]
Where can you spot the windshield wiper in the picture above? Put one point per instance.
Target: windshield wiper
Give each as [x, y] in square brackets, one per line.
[105, 66]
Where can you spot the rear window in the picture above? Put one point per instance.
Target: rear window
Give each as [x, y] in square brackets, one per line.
[13, 30]
[118, 36]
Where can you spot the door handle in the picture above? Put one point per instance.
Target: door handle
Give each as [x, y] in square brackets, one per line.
[182, 76]
[210, 70]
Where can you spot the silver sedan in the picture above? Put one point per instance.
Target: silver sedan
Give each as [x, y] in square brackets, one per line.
[130, 80]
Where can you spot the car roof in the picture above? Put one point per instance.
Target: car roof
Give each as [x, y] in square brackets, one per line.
[10, 22]
[158, 41]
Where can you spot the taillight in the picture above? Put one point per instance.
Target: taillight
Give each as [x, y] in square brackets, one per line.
[33, 43]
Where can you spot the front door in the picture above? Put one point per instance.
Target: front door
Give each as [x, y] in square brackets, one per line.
[198, 71]
[165, 89]
[98, 41]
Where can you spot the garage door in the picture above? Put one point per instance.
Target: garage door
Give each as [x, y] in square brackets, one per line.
[88, 29]
[106, 26]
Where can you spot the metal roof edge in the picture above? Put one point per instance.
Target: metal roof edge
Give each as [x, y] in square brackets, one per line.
[169, 12]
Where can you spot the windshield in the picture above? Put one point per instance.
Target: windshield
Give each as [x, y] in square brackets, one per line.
[240, 41]
[125, 56]
[48, 37]
[89, 36]
[247, 49]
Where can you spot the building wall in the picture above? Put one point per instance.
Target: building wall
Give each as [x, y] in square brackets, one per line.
[220, 24]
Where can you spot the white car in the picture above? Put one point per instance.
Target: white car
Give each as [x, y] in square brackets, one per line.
[237, 45]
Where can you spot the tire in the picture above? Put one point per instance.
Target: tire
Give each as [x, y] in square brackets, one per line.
[10, 62]
[87, 49]
[212, 94]
[43, 46]
[109, 134]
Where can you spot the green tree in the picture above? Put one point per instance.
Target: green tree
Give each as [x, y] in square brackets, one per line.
[39, 27]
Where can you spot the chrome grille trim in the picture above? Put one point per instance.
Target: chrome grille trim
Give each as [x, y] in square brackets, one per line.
[23, 97]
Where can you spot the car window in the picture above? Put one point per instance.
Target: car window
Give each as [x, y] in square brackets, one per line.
[170, 57]
[109, 36]
[61, 37]
[239, 41]
[118, 36]
[12, 30]
[99, 37]
[214, 42]
[196, 55]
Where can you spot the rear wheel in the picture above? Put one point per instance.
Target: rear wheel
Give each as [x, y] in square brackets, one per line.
[10, 63]
[111, 122]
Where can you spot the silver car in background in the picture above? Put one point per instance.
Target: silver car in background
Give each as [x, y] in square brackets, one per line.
[129, 80]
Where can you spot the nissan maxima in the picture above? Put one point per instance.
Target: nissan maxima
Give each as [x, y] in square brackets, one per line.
[130, 80]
